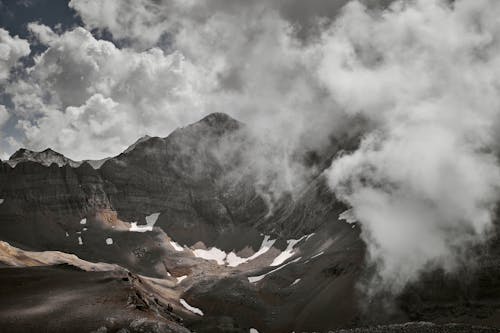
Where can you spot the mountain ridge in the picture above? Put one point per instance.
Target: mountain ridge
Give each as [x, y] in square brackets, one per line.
[217, 120]
[190, 215]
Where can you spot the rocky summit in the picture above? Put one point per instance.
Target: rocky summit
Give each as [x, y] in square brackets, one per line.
[182, 234]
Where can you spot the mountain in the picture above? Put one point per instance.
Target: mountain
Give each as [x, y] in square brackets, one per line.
[193, 238]
[46, 158]
[49, 156]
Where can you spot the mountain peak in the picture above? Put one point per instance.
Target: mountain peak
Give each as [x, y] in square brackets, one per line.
[220, 120]
[45, 157]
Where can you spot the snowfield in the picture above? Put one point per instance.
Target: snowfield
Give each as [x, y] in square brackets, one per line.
[211, 254]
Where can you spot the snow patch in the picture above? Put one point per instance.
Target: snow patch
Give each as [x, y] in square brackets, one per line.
[176, 246]
[1, 201]
[83, 221]
[230, 259]
[295, 282]
[253, 279]
[109, 241]
[151, 219]
[233, 260]
[348, 216]
[191, 308]
[288, 253]
[80, 241]
[150, 222]
[253, 330]
[212, 254]
[180, 278]
[139, 228]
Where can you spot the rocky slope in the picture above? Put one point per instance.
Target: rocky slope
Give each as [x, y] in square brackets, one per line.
[191, 218]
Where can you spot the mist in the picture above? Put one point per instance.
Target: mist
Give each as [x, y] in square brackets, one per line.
[424, 182]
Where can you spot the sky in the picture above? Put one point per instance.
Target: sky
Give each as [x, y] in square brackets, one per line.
[415, 81]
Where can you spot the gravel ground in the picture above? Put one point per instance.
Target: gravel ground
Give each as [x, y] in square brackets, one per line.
[421, 327]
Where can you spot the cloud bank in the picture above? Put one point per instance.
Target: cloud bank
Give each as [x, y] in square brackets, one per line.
[87, 98]
[415, 81]
[425, 182]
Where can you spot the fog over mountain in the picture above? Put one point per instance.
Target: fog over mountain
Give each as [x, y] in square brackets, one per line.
[381, 116]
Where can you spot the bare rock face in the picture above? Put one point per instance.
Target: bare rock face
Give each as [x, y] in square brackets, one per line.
[183, 177]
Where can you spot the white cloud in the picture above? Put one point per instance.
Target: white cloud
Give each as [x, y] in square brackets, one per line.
[145, 23]
[11, 50]
[42, 32]
[425, 181]
[84, 93]
[243, 60]
[4, 115]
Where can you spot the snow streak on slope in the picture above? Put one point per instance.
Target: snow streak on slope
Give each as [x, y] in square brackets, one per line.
[176, 246]
[253, 279]
[289, 251]
[191, 308]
